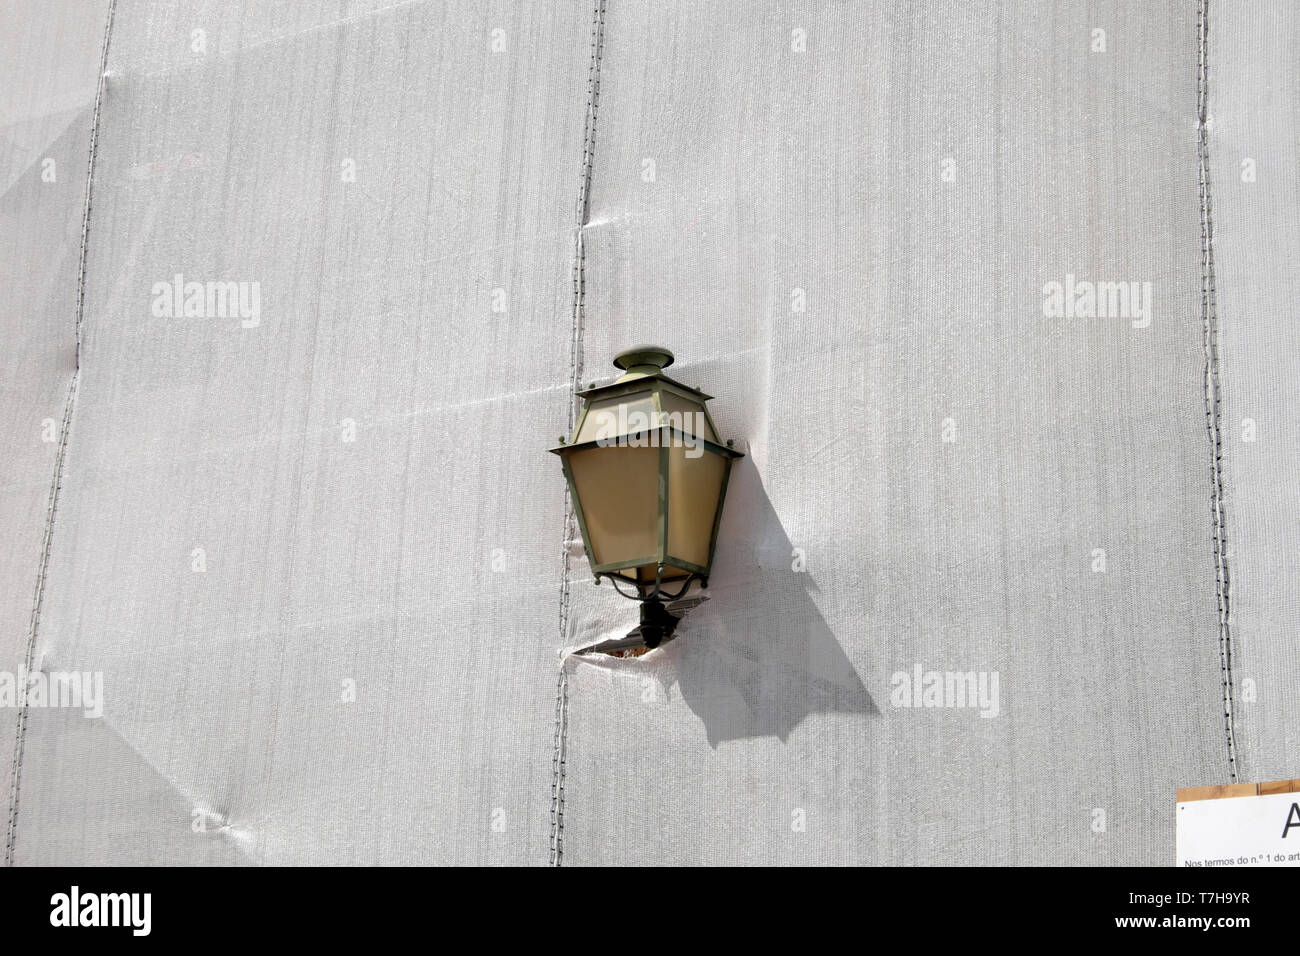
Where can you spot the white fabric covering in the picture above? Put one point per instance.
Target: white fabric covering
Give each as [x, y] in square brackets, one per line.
[769, 195]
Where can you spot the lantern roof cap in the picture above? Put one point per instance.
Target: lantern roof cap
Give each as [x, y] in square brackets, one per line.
[643, 359]
[642, 363]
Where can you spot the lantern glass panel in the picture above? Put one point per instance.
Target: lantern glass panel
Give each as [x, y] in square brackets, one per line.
[603, 417]
[694, 488]
[618, 491]
[686, 414]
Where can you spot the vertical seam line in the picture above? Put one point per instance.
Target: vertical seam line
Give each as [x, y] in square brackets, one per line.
[558, 757]
[55, 483]
[1213, 395]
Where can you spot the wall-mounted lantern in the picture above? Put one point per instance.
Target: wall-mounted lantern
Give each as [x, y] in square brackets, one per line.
[648, 476]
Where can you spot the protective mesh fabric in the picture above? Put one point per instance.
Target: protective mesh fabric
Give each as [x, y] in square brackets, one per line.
[324, 563]
[1255, 133]
[362, 469]
[49, 56]
[769, 734]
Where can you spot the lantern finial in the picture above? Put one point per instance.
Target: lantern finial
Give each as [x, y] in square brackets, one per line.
[643, 359]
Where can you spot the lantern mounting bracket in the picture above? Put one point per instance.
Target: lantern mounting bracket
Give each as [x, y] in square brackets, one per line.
[654, 594]
[658, 625]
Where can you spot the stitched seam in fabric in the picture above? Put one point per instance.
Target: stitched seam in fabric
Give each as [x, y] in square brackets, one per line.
[15, 780]
[1209, 314]
[557, 765]
[575, 371]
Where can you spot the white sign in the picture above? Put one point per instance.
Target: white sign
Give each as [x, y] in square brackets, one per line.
[1240, 831]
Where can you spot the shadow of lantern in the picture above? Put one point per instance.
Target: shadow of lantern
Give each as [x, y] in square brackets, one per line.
[758, 657]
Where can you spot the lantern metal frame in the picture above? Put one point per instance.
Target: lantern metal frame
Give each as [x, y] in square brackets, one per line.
[645, 378]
